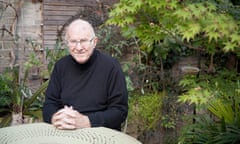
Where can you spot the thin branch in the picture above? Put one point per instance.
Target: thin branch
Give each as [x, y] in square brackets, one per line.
[4, 29]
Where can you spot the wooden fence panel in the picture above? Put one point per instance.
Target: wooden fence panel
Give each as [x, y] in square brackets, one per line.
[56, 13]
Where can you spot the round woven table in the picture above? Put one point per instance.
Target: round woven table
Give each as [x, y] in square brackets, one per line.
[43, 133]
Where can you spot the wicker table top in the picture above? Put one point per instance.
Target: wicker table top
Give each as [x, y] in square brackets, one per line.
[43, 133]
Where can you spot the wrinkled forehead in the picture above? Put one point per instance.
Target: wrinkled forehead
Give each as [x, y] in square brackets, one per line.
[80, 29]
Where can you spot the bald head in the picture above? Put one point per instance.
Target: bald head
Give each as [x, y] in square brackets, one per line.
[81, 26]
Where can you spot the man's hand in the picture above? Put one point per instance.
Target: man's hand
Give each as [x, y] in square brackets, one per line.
[68, 118]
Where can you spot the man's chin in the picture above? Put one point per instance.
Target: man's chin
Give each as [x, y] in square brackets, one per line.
[81, 60]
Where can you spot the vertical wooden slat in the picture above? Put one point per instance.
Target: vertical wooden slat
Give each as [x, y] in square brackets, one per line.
[56, 13]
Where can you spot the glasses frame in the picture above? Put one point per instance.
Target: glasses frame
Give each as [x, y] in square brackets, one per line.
[74, 43]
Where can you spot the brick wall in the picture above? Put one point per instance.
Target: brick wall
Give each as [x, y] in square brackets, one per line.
[20, 20]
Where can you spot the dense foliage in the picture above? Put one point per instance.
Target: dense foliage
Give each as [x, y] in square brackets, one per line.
[164, 31]
[144, 112]
[217, 108]
[210, 26]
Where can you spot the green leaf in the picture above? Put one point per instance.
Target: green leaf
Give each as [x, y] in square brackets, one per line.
[235, 37]
[183, 14]
[157, 4]
[187, 35]
[213, 36]
[195, 28]
[6, 120]
[137, 3]
[34, 113]
[128, 20]
[41, 89]
[222, 110]
[211, 7]
[196, 96]
[229, 46]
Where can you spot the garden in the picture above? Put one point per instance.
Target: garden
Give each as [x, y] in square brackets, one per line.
[181, 61]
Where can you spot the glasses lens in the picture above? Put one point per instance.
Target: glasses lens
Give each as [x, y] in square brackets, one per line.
[81, 42]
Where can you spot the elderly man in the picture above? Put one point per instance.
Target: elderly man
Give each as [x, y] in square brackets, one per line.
[87, 88]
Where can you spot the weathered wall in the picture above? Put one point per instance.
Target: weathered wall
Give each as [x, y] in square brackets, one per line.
[58, 13]
[41, 22]
[19, 20]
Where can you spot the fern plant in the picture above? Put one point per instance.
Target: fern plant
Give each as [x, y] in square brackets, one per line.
[221, 121]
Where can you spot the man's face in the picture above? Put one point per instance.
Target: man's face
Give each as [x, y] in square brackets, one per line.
[81, 42]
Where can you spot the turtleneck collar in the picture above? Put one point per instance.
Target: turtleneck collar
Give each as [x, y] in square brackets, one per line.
[89, 62]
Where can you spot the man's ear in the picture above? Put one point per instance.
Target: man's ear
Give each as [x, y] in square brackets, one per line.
[95, 41]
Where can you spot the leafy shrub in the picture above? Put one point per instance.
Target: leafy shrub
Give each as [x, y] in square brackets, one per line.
[144, 112]
[221, 120]
[4, 93]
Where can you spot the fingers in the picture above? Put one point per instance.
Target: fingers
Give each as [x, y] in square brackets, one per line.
[64, 125]
[68, 118]
[69, 111]
[64, 118]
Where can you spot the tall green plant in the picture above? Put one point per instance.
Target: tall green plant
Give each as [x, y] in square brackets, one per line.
[17, 95]
[19, 98]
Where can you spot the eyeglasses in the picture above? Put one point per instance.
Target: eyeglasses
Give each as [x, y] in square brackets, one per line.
[82, 42]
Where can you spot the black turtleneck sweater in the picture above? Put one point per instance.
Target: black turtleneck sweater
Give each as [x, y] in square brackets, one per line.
[96, 88]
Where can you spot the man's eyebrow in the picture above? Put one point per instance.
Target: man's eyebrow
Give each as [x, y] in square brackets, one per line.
[78, 39]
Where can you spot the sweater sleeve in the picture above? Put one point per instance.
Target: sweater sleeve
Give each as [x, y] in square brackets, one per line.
[52, 99]
[117, 109]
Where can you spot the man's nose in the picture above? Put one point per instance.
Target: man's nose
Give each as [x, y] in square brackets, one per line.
[79, 46]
